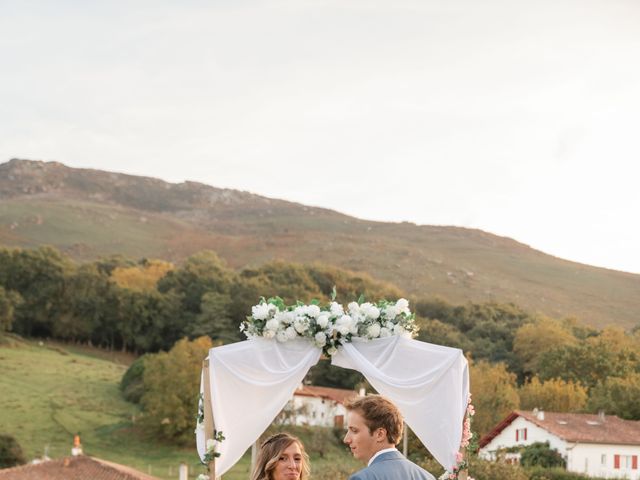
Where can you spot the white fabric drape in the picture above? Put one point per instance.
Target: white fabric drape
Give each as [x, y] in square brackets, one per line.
[429, 384]
[251, 382]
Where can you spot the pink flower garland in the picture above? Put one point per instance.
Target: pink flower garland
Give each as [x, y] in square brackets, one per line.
[467, 435]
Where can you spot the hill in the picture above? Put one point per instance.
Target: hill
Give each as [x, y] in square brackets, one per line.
[91, 213]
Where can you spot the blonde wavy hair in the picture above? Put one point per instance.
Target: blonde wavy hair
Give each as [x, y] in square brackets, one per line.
[270, 452]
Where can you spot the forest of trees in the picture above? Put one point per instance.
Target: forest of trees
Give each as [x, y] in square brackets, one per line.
[173, 313]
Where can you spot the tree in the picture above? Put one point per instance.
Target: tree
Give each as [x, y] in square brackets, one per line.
[10, 452]
[532, 340]
[554, 395]
[540, 454]
[9, 300]
[618, 396]
[171, 381]
[494, 394]
[132, 382]
[141, 277]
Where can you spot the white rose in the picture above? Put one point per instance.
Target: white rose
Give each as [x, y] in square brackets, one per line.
[354, 328]
[291, 333]
[385, 332]
[402, 304]
[373, 331]
[391, 312]
[281, 336]
[202, 476]
[332, 350]
[323, 320]
[269, 334]
[211, 444]
[300, 310]
[373, 312]
[321, 339]
[353, 308]
[282, 317]
[389, 325]
[336, 309]
[260, 312]
[272, 324]
[313, 311]
[344, 324]
[300, 325]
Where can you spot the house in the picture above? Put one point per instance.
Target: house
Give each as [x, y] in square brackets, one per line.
[77, 467]
[317, 406]
[594, 445]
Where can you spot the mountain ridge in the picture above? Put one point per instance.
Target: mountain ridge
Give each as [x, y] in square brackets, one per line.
[89, 213]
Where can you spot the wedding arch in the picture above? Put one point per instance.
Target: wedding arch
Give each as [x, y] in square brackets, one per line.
[245, 385]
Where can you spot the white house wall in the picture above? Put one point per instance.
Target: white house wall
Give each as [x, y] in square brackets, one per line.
[507, 438]
[316, 411]
[587, 458]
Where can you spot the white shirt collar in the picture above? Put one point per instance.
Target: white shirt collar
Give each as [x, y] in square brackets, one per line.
[380, 452]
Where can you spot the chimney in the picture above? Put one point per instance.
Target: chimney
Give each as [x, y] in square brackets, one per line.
[601, 417]
[540, 415]
[77, 446]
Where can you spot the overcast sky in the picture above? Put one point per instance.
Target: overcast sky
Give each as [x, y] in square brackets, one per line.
[518, 118]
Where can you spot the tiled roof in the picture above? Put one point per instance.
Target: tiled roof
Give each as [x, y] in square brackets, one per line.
[577, 427]
[336, 394]
[74, 468]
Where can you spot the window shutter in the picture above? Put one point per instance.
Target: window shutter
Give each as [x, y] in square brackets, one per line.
[634, 462]
[616, 461]
[517, 434]
[525, 434]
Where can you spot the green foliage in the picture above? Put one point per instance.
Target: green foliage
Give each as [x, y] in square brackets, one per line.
[540, 454]
[618, 396]
[326, 375]
[9, 300]
[554, 395]
[132, 383]
[495, 394]
[11, 453]
[557, 473]
[171, 381]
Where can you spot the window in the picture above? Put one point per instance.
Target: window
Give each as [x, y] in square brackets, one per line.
[603, 460]
[521, 434]
[628, 462]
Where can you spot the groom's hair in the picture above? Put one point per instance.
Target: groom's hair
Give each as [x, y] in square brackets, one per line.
[378, 412]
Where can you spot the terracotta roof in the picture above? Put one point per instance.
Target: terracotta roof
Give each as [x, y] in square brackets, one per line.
[73, 468]
[336, 394]
[577, 427]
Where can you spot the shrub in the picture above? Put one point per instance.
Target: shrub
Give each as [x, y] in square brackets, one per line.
[542, 455]
[10, 452]
[132, 385]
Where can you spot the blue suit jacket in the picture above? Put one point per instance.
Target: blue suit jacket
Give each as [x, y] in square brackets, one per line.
[392, 466]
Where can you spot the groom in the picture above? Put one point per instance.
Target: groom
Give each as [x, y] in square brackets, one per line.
[374, 428]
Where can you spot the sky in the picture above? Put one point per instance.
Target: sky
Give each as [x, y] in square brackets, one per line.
[517, 118]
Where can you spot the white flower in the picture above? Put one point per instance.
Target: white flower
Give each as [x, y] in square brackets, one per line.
[313, 311]
[242, 327]
[300, 310]
[332, 350]
[321, 339]
[202, 476]
[373, 330]
[353, 308]
[336, 309]
[373, 312]
[260, 312]
[269, 334]
[291, 333]
[343, 324]
[210, 445]
[281, 336]
[391, 312]
[398, 330]
[403, 305]
[385, 332]
[323, 320]
[389, 325]
[272, 324]
[300, 325]
[283, 317]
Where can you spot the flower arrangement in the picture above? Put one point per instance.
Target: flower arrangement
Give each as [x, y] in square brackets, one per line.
[331, 325]
[466, 444]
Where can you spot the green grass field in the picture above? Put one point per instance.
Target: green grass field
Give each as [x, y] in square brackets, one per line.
[49, 392]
